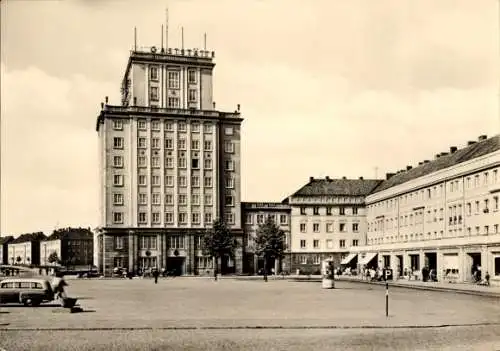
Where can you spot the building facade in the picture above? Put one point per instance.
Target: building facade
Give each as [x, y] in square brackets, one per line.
[255, 214]
[328, 219]
[4, 249]
[169, 165]
[25, 249]
[442, 214]
[74, 247]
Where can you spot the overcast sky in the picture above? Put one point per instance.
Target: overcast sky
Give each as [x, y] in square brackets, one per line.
[326, 88]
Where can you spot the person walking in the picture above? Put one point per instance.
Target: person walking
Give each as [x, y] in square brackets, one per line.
[156, 273]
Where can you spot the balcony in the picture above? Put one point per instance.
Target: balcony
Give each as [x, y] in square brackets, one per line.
[111, 109]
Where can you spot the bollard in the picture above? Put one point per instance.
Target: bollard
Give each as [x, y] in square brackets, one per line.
[386, 299]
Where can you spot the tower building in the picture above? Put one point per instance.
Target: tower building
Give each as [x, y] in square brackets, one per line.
[169, 165]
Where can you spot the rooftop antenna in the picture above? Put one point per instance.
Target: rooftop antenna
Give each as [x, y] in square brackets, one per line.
[182, 38]
[376, 172]
[166, 30]
[205, 41]
[162, 37]
[135, 38]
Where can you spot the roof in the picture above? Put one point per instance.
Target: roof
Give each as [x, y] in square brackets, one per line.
[71, 233]
[344, 186]
[29, 237]
[470, 152]
[6, 239]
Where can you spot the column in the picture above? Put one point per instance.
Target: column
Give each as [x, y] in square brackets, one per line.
[135, 253]
[484, 261]
[159, 254]
[421, 259]
[130, 250]
[462, 265]
[189, 253]
[255, 263]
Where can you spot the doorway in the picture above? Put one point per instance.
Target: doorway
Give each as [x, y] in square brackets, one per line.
[175, 265]
[474, 262]
[399, 259]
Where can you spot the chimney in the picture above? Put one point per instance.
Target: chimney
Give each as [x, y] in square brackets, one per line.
[408, 168]
[453, 149]
[360, 178]
[482, 137]
[344, 177]
[437, 156]
[213, 104]
[426, 161]
[420, 163]
[106, 100]
[469, 143]
[327, 178]
[135, 101]
[102, 105]
[444, 154]
[389, 176]
[311, 179]
[239, 107]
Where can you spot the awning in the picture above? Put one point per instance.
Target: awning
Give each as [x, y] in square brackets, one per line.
[366, 257]
[349, 258]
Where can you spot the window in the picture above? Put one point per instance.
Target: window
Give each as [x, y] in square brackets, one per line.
[192, 95]
[229, 182]
[195, 144]
[316, 243]
[155, 180]
[207, 163]
[302, 227]
[495, 176]
[469, 209]
[153, 73]
[303, 259]
[303, 211]
[155, 162]
[328, 211]
[141, 161]
[141, 143]
[207, 128]
[182, 217]
[354, 210]
[342, 211]
[195, 199]
[195, 127]
[181, 143]
[142, 180]
[191, 76]
[169, 126]
[249, 219]
[208, 217]
[329, 244]
[117, 180]
[169, 162]
[208, 199]
[228, 131]
[207, 145]
[355, 242]
[173, 102]
[169, 217]
[182, 199]
[229, 200]
[229, 218]
[195, 181]
[169, 180]
[342, 227]
[117, 124]
[316, 211]
[497, 265]
[182, 126]
[182, 162]
[173, 79]
[117, 199]
[208, 182]
[153, 93]
[176, 242]
[156, 217]
[155, 143]
[195, 163]
[141, 124]
[283, 219]
[169, 199]
[342, 243]
[355, 227]
[316, 227]
[329, 227]
[260, 218]
[495, 203]
[229, 147]
[142, 217]
[302, 244]
[169, 143]
[155, 124]
[118, 262]
[118, 242]
[143, 199]
[477, 207]
[147, 242]
[117, 161]
[118, 143]
[155, 198]
[195, 218]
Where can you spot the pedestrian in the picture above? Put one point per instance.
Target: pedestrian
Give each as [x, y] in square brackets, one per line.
[58, 284]
[156, 273]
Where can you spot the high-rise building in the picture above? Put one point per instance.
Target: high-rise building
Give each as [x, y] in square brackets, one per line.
[169, 165]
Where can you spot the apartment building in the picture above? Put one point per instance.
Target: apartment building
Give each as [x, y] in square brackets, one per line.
[254, 215]
[25, 249]
[169, 165]
[328, 219]
[74, 247]
[4, 248]
[443, 214]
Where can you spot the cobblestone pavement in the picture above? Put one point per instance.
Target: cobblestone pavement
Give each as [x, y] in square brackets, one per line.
[228, 306]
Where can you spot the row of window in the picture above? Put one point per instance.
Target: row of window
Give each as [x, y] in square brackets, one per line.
[118, 143]
[169, 218]
[118, 199]
[173, 76]
[329, 211]
[142, 124]
[484, 179]
[329, 227]
[151, 242]
[169, 162]
[283, 219]
[328, 243]
[118, 181]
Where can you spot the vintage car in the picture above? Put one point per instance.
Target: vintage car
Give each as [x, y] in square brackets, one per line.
[28, 291]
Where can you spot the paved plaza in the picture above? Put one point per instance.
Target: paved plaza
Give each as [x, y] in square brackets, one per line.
[199, 313]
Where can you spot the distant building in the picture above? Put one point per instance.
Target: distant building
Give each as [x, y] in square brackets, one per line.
[4, 249]
[442, 214]
[25, 249]
[73, 247]
[255, 214]
[328, 219]
[169, 165]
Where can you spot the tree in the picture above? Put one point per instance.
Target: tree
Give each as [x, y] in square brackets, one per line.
[18, 259]
[269, 242]
[53, 258]
[218, 242]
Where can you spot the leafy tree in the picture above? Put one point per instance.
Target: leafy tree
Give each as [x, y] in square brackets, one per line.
[218, 242]
[269, 242]
[53, 258]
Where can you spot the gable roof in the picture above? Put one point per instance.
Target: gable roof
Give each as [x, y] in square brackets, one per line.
[470, 152]
[6, 239]
[71, 233]
[29, 237]
[328, 187]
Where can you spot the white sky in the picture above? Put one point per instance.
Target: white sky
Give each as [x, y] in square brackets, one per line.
[328, 87]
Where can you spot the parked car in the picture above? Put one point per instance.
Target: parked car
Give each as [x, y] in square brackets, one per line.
[28, 291]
